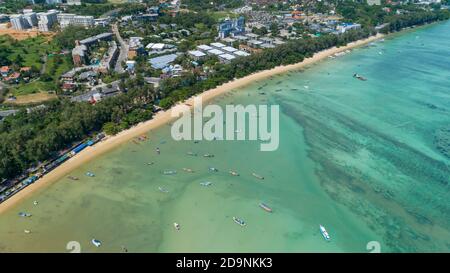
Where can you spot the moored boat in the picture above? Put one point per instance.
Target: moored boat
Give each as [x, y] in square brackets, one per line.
[177, 226]
[265, 207]
[359, 77]
[233, 173]
[324, 233]
[258, 176]
[239, 221]
[205, 184]
[73, 178]
[24, 214]
[212, 169]
[208, 155]
[188, 170]
[169, 172]
[164, 190]
[90, 174]
[96, 242]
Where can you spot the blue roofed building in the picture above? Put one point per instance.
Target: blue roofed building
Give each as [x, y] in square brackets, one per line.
[163, 61]
[230, 27]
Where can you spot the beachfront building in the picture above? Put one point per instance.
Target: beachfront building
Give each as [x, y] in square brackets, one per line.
[204, 47]
[342, 28]
[226, 58]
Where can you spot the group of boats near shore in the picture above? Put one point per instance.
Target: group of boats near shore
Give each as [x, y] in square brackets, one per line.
[239, 221]
[9, 188]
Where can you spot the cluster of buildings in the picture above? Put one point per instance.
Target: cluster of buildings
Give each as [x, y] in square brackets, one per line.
[231, 27]
[45, 21]
[225, 53]
[8, 75]
[80, 51]
[80, 57]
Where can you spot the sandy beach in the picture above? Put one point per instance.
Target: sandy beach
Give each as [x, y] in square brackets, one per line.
[164, 117]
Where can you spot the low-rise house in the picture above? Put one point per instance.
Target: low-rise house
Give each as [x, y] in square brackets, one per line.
[13, 78]
[254, 43]
[196, 55]
[204, 47]
[228, 49]
[215, 52]
[68, 86]
[265, 45]
[135, 47]
[217, 45]
[4, 71]
[342, 28]
[173, 70]
[87, 75]
[226, 58]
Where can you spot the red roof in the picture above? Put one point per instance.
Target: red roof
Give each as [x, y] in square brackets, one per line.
[4, 69]
[25, 69]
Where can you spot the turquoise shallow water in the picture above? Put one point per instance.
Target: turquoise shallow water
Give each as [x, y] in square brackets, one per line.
[359, 157]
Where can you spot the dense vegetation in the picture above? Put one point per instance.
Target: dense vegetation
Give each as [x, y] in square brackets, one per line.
[202, 5]
[30, 138]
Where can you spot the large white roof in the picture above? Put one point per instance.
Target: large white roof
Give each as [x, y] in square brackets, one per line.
[204, 47]
[228, 57]
[218, 45]
[215, 52]
[229, 49]
[197, 53]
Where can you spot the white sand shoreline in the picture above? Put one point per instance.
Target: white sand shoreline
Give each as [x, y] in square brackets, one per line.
[164, 117]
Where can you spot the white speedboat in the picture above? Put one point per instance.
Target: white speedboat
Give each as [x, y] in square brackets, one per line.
[324, 233]
[164, 190]
[96, 242]
[177, 226]
[239, 221]
[205, 184]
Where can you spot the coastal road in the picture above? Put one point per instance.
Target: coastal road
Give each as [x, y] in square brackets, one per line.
[123, 50]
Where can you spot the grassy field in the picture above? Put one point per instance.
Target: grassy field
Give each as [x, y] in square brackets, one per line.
[29, 51]
[33, 98]
[33, 52]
